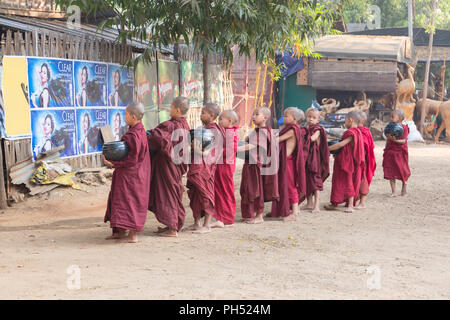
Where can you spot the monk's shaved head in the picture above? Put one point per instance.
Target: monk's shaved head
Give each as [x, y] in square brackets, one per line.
[354, 115]
[213, 109]
[265, 111]
[399, 113]
[230, 114]
[136, 109]
[298, 114]
[363, 117]
[181, 103]
[313, 110]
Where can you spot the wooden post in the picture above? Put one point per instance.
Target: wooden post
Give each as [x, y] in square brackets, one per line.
[427, 70]
[3, 200]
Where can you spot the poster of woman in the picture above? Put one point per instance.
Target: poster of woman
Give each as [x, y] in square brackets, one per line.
[120, 86]
[88, 133]
[116, 119]
[51, 129]
[90, 84]
[50, 82]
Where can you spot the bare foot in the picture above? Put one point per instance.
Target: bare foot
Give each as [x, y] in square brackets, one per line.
[128, 239]
[349, 210]
[229, 225]
[404, 193]
[161, 230]
[291, 217]
[306, 207]
[116, 235]
[315, 210]
[256, 221]
[359, 207]
[393, 195]
[202, 230]
[330, 207]
[194, 227]
[217, 224]
[169, 233]
[245, 220]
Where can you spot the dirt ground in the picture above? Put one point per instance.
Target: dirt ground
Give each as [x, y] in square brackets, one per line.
[403, 242]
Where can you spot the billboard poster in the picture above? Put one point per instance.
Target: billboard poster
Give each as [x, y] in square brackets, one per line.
[146, 85]
[50, 83]
[216, 78]
[120, 85]
[51, 129]
[116, 119]
[90, 82]
[168, 87]
[192, 82]
[88, 123]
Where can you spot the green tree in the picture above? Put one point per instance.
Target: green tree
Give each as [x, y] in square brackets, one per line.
[262, 27]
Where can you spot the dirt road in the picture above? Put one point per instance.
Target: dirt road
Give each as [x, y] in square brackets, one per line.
[399, 248]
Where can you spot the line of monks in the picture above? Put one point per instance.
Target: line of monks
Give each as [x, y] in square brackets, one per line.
[150, 179]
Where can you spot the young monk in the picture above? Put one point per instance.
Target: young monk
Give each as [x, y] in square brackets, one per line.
[166, 181]
[317, 162]
[395, 156]
[291, 172]
[225, 202]
[370, 162]
[200, 177]
[130, 187]
[252, 190]
[348, 165]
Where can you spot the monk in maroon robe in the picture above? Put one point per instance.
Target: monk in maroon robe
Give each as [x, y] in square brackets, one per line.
[317, 162]
[252, 183]
[168, 168]
[370, 162]
[224, 199]
[130, 187]
[291, 172]
[200, 177]
[395, 156]
[348, 165]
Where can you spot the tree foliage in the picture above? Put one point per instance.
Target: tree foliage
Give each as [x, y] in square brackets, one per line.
[262, 27]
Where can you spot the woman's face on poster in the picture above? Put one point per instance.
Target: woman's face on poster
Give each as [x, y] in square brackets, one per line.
[116, 79]
[84, 76]
[47, 126]
[85, 123]
[44, 74]
[117, 122]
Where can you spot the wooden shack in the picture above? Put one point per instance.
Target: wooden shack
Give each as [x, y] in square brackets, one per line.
[358, 63]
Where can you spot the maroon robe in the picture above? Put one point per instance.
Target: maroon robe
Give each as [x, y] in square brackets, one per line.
[370, 161]
[253, 183]
[318, 161]
[395, 159]
[224, 199]
[348, 167]
[200, 182]
[281, 207]
[130, 187]
[166, 182]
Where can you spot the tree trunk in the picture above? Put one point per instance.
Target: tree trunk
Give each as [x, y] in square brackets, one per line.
[206, 80]
[427, 71]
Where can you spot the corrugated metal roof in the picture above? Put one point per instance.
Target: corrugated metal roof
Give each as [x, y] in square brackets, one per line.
[363, 47]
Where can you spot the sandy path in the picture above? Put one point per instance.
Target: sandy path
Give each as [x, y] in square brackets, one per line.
[322, 256]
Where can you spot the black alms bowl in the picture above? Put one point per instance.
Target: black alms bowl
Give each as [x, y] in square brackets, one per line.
[115, 151]
[394, 129]
[204, 135]
[333, 142]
